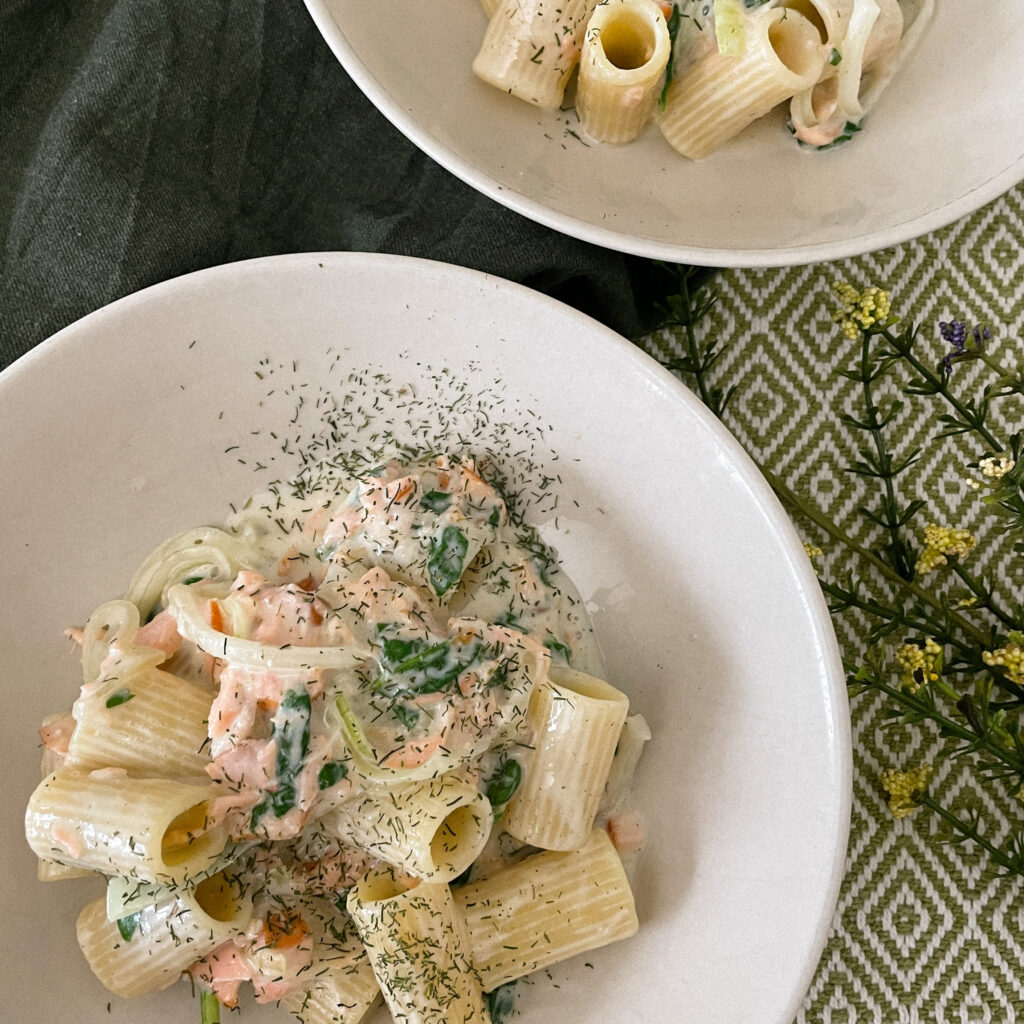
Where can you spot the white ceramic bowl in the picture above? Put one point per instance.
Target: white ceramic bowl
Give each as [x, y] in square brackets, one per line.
[154, 413]
[946, 138]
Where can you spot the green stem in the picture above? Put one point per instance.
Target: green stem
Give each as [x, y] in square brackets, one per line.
[949, 726]
[889, 505]
[692, 348]
[969, 831]
[904, 349]
[889, 613]
[983, 595]
[209, 1008]
[795, 502]
[993, 364]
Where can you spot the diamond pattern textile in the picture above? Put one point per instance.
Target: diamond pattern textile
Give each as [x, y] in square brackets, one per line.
[923, 934]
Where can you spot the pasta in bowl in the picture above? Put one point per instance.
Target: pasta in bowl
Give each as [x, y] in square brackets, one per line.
[759, 199]
[699, 589]
[718, 65]
[345, 746]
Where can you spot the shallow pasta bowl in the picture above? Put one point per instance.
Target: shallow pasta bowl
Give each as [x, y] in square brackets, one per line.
[944, 139]
[153, 414]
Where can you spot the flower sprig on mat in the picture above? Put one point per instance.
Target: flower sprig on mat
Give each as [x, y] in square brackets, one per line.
[945, 639]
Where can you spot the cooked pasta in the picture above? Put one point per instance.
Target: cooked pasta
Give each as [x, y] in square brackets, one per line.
[149, 949]
[142, 719]
[417, 945]
[366, 694]
[343, 987]
[432, 829]
[711, 66]
[105, 820]
[576, 721]
[519, 920]
[531, 48]
[716, 98]
[625, 53]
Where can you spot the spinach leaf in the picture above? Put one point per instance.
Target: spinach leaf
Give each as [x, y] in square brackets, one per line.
[447, 559]
[127, 926]
[501, 1002]
[419, 666]
[673, 32]
[436, 501]
[331, 774]
[291, 734]
[558, 649]
[504, 783]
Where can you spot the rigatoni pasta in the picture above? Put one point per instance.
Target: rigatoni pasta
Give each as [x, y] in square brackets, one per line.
[720, 95]
[703, 69]
[344, 988]
[301, 738]
[144, 720]
[547, 908]
[105, 820]
[576, 720]
[625, 52]
[148, 950]
[531, 48]
[417, 945]
[432, 829]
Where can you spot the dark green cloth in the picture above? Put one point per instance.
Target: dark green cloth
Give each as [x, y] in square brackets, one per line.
[143, 139]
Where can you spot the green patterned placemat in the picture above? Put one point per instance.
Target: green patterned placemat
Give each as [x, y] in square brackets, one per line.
[922, 932]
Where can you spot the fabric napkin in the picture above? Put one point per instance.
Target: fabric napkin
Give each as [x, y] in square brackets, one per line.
[143, 139]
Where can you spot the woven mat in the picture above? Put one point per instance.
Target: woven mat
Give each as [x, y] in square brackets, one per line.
[922, 932]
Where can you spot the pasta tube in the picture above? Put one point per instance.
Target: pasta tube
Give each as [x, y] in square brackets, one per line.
[433, 830]
[157, 830]
[149, 949]
[717, 97]
[48, 870]
[531, 48]
[546, 909]
[576, 720]
[417, 945]
[149, 721]
[338, 996]
[345, 988]
[625, 51]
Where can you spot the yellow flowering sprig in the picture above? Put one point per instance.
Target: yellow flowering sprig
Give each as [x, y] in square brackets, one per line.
[941, 543]
[1009, 658]
[995, 467]
[860, 311]
[919, 664]
[944, 651]
[906, 789]
[1004, 473]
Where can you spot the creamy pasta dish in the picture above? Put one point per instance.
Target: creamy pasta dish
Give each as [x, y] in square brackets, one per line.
[354, 745]
[703, 70]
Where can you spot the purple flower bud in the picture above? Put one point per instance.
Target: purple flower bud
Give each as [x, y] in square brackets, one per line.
[954, 334]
